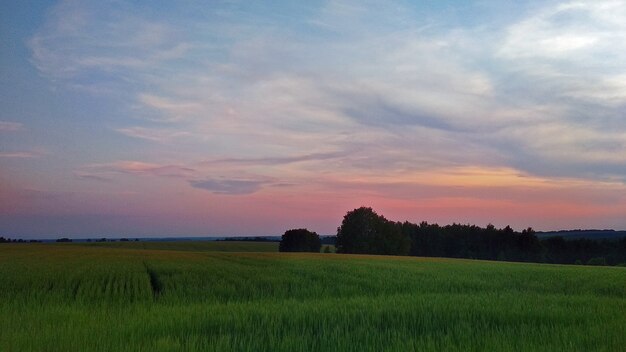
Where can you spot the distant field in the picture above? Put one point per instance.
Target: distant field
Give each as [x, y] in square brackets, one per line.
[71, 297]
[197, 246]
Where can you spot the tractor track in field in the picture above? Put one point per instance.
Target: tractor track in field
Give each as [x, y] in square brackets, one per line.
[155, 283]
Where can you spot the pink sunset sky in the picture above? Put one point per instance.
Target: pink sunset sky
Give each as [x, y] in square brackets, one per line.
[231, 118]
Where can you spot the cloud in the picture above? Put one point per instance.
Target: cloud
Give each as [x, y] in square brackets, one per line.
[6, 126]
[567, 59]
[228, 186]
[171, 109]
[152, 134]
[91, 176]
[277, 160]
[79, 39]
[100, 171]
[567, 30]
[20, 155]
[346, 90]
[485, 183]
[573, 49]
[149, 168]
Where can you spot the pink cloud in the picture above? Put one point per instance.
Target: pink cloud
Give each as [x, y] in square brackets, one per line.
[101, 171]
[7, 126]
[151, 134]
[137, 167]
[20, 155]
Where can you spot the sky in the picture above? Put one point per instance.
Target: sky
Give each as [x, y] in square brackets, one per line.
[220, 118]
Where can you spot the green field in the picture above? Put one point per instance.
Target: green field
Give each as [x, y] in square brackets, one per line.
[72, 297]
[194, 246]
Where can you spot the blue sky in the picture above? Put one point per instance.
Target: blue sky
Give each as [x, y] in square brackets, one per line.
[224, 118]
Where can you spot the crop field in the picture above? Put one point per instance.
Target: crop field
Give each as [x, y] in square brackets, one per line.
[194, 246]
[71, 297]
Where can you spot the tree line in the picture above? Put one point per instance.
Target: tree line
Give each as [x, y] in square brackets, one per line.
[15, 240]
[363, 231]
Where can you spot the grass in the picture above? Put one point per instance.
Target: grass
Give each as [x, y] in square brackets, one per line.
[100, 298]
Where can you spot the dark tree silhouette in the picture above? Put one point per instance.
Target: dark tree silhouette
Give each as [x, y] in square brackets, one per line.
[364, 231]
[597, 261]
[529, 246]
[300, 240]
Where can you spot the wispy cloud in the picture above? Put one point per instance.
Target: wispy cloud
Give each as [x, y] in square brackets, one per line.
[153, 169]
[91, 176]
[584, 29]
[20, 155]
[572, 48]
[152, 134]
[276, 160]
[171, 109]
[7, 126]
[228, 186]
[100, 171]
[79, 39]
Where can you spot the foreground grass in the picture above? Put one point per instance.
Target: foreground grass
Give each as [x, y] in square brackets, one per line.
[79, 298]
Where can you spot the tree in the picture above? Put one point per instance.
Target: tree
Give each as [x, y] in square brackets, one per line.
[557, 250]
[364, 231]
[529, 246]
[300, 240]
[597, 261]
